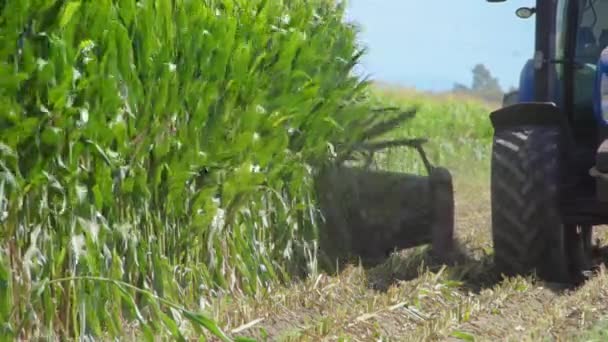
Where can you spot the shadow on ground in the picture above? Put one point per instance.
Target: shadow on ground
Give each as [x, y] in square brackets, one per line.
[474, 271]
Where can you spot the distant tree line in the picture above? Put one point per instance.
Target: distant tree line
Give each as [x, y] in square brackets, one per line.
[484, 85]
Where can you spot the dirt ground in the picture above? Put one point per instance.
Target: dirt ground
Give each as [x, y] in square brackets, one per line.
[410, 298]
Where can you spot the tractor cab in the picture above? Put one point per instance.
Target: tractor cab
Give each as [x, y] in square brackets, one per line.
[590, 31]
[570, 38]
[550, 149]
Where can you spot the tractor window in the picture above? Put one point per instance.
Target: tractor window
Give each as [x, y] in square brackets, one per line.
[592, 38]
[592, 35]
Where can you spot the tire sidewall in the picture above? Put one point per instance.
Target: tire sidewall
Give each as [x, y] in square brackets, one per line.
[538, 161]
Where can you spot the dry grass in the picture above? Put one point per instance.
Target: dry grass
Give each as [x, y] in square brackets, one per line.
[409, 298]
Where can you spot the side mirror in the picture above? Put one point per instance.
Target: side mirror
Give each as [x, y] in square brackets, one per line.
[525, 12]
[600, 98]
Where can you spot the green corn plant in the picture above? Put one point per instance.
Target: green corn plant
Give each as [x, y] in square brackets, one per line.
[156, 152]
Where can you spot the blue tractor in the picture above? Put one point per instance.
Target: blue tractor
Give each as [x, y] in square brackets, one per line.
[550, 152]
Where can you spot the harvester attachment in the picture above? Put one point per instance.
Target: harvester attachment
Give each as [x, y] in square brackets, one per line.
[371, 213]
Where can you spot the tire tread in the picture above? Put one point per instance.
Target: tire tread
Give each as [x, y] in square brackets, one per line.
[527, 228]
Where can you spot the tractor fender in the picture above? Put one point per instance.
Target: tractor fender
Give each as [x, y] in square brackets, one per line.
[528, 114]
[545, 114]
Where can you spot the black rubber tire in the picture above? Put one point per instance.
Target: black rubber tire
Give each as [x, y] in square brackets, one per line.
[527, 228]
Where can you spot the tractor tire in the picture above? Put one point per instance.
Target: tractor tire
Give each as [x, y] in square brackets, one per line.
[528, 232]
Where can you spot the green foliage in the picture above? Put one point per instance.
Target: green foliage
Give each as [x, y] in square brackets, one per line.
[598, 332]
[169, 145]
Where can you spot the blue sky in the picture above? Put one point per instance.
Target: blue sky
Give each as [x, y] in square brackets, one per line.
[430, 44]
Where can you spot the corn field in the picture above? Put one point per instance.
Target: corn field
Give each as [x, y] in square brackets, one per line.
[155, 154]
[458, 130]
